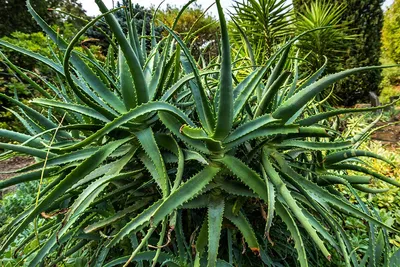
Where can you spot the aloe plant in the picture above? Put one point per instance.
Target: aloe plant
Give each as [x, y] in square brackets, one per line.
[129, 150]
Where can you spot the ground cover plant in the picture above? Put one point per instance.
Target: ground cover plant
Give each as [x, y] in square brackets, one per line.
[154, 158]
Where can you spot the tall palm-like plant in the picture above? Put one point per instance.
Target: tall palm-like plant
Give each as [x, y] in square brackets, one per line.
[331, 41]
[145, 160]
[266, 24]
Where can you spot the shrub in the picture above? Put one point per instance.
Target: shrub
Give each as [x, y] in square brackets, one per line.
[157, 160]
[391, 32]
[390, 83]
[365, 18]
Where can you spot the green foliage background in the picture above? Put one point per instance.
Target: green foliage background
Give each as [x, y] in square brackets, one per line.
[15, 17]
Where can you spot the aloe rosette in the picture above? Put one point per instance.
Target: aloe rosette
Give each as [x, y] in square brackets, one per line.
[128, 147]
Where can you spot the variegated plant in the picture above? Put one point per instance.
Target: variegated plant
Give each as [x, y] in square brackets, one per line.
[127, 151]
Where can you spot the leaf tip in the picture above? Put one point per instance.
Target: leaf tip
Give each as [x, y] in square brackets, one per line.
[256, 251]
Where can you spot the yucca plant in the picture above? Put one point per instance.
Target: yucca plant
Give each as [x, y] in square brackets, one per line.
[156, 160]
[266, 23]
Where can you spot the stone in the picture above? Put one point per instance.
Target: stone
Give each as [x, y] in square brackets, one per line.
[374, 99]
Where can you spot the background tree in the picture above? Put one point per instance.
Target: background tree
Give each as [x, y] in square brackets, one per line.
[391, 32]
[366, 18]
[198, 29]
[331, 42]
[140, 14]
[391, 53]
[265, 22]
[15, 17]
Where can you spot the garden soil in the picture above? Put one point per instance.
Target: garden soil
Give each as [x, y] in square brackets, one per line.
[389, 135]
[11, 165]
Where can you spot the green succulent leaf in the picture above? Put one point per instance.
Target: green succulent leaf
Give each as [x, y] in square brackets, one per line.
[246, 175]
[215, 216]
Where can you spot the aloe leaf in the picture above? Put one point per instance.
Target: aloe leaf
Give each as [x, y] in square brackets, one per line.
[129, 116]
[284, 192]
[159, 75]
[27, 150]
[182, 81]
[271, 205]
[215, 216]
[249, 127]
[126, 81]
[116, 217]
[201, 242]
[143, 256]
[370, 190]
[343, 166]
[133, 186]
[61, 159]
[88, 74]
[194, 133]
[292, 88]
[301, 98]
[328, 197]
[160, 209]
[135, 67]
[32, 129]
[30, 176]
[309, 131]
[99, 172]
[247, 42]
[322, 230]
[225, 110]
[314, 76]
[357, 138]
[270, 94]
[235, 188]
[173, 146]
[245, 89]
[174, 125]
[277, 71]
[79, 172]
[325, 115]
[203, 109]
[21, 138]
[57, 67]
[263, 132]
[70, 251]
[241, 222]
[106, 77]
[94, 189]
[193, 155]
[246, 175]
[287, 218]
[133, 36]
[315, 145]
[185, 192]
[351, 153]
[84, 110]
[149, 145]
[46, 123]
[25, 77]
[94, 81]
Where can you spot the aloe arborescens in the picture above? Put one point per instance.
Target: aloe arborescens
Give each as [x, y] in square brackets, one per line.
[146, 138]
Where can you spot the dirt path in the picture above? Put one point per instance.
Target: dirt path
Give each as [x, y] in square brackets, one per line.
[389, 135]
[11, 165]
